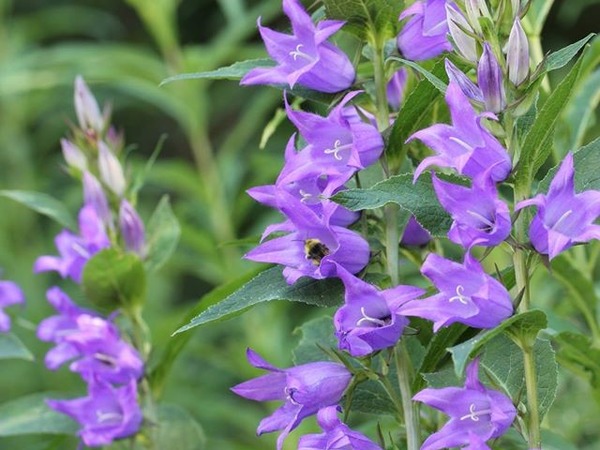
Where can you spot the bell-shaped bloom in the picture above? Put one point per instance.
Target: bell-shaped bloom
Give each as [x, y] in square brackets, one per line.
[517, 54]
[470, 89]
[304, 389]
[477, 414]
[10, 294]
[304, 57]
[395, 88]
[86, 107]
[337, 146]
[563, 217]
[370, 319]
[491, 81]
[466, 145]
[424, 35]
[75, 250]
[312, 247]
[106, 414]
[132, 229]
[480, 217]
[464, 43]
[336, 436]
[466, 295]
[414, 234]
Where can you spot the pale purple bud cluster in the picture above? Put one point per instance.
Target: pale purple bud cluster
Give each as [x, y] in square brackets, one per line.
[91, 120]
[491, 81]
[517, 55]
[73, 155]
[463, 42]
[109, 365]
[111, 170]
[10, 294]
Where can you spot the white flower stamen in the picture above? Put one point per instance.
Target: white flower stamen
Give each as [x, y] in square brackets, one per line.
[366, 318]
[562, 219]
[300, 54]
[108, 417]
[483, 219]
[337, 148]
[474, 415]
[460, 296]
[461, 143]
[106, 359]
[305, 196]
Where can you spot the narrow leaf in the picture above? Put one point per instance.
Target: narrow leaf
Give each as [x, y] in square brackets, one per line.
[11, 347]
[439, 84]
[563, 56]
[236, 71]
[43, 204]
[360, 15]
[162, 235]
[268, 286]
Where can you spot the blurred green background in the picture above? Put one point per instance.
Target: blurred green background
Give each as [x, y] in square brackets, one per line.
[212, 131]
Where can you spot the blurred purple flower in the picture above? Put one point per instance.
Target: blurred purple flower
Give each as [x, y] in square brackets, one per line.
[415, 234]
[304, 390]
[480, 217]
[424, 35]
[477, 414]
[304, 57]
[563, 218]
[466, 145]
[132, 229]
[10, 294]
[337, 435]
[467, 295]
[111, 170]
[75, 250]
[395, 88]
[370, 319]
[94, 195]
[86, 107]
[491, 81]
[74, 157]
[106, 414]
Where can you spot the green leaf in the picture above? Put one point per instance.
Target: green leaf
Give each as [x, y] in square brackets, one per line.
[580, 114]
[370, 397]
[31, 415]
[113, 279]
[268, 286]
[439, 84]
[11, 347]
[162, 235]
[418, 198]
[503, 363]
[442, 379]
[563, 56]
[586, 161]
[525, 325]
[44, 204]
[360, 15]
[538, 11]
[414, 112]
[315, 334]
[236, 71]
[576, 352]
[538, 142]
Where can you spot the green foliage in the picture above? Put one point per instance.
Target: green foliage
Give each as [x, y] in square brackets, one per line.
[11, 347]
[235, 71]
[434, 80]
[315, 335]
[365, 16]
[563, 56]
[162, 235]
[578, 353]
[43, 204]
[31, 415]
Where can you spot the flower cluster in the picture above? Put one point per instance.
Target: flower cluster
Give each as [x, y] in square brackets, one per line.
[91, 344]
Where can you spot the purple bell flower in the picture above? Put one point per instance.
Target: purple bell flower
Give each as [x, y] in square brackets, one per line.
[480, 217]
[76, 250]
[337, 435]
[304, 57]
[563, 218]
[477, 414]
[491, 81]
[466, 145]
[132, 229]
[313, 247]
[424, 35]
[304, 389]
[467, 295]
[395, 88]
[414, 234]
[106, 414]
[470, 89]
[10, 294]
[370, 319]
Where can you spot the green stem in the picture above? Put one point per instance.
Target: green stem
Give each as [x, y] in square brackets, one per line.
[392, 238]
[383, 113]
[533, 428]
[411, 416]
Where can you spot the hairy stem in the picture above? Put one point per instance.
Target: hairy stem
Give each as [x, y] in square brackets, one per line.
[411, 416]
[533, 427]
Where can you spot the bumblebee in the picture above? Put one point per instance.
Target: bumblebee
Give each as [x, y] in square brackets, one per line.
[315, 250]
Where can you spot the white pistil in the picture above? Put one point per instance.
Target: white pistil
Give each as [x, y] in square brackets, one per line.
[366, 318]
[461, 143]
[106, 359]
[337, 148]
[459, 296]
[300, 54]
[562, 218]
[474, 415]
[305, 195]
[81, 250]
[108, 417]
[483, 219]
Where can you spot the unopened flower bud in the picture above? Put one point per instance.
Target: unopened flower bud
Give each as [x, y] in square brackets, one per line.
[490, 80]
[395, 88]
[73, 155]
[464, 43]
[517, 55]
[132, 228]
[516, 7]
[476, 9]
[86, 108]
[111, 170]
[94, 195]
[468, 88]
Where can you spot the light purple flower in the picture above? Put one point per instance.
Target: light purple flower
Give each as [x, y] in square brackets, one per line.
[106, 414]
[467, 295]
[395, 88]
[75, 250]
[337, 435]
[424, 35]
[312, 247]
[304, 57]
[94, 195]
[468, 88]
[480, 217]
[304, 390]
[466, 145]
[370, 319]
[10, 294]
[415, 234]
[477, 414]
[132, 229]
[491, 81]
[563, 218]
